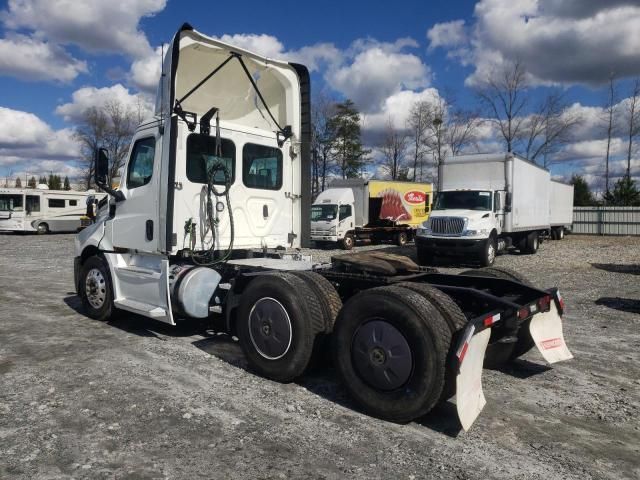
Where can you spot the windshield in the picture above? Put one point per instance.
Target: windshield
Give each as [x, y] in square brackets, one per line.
[463, 200]
[11, 203]
[323, 212]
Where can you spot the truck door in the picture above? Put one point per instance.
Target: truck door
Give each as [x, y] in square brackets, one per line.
[345, 219]
[135, 224]
[498, 210]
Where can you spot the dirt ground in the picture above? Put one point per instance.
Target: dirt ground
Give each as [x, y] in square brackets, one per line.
[136, 399]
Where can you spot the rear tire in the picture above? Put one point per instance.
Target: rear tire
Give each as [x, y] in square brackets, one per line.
[43, 229]
[530, 244]
[278, 320]
[390, 348]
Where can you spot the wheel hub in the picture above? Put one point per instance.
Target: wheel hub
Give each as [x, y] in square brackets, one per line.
[381, 355]
[270, 328]
[95, 288]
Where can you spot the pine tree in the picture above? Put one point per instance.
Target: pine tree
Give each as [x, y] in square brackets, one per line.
[32, 183]
[18, 182]
[348, 151]
[43, 180]
[582, 196]
[624, 193]
[67, 185]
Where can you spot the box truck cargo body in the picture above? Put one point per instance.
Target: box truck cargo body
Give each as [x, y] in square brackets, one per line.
[375, 210]
[487, 203]
[560, 208]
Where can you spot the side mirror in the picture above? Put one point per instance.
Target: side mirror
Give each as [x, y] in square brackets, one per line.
[101, 173]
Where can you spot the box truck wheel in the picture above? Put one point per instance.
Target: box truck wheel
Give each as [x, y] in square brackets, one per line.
[401, 239]
[390, 350]
[278, 320]
[557, 233]
[488, 255]
[530, 243]
[95, 289]
[498, 353]
[348, 241]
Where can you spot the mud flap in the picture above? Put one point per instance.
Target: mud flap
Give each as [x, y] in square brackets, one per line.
[469, 396]
[546, 331]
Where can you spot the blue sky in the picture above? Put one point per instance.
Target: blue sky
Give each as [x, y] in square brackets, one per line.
[57, 58]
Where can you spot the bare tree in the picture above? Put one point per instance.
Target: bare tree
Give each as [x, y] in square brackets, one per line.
[394, 148]
[322, 141]
[548, 128]
[504, 98]
[610, 112]
[633, 113]
[461, 130]
[111, 127]
[420, 117]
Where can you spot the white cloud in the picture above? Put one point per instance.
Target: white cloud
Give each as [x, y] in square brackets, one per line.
[262, 44]
[558, 41]
[378, 71]
[145, 72]
[93, 25]
[88, 97]
[28, 58]
[448, 34]
[396, 108]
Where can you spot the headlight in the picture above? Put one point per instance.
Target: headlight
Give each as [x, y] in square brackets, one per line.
[332, 231]
[470, 233]
[423, 231]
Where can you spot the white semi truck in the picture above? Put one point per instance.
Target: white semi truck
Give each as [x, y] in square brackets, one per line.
[486, 203]
[222, 172]
[560, 209]
[356, 209]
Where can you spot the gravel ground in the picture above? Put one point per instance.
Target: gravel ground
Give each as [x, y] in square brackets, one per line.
[134, 398]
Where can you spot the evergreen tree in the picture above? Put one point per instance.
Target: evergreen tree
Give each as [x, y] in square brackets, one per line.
[624, 193]
[67, 185]
[32, 183]
[43, 180]
[348, 152]
[582, 196]
[18, 182]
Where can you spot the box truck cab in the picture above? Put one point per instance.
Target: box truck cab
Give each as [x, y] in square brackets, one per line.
[332, 217]
[487, 203]
[217, 178]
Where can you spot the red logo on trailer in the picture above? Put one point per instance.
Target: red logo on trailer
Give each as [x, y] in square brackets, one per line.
[551, 343]
[415, 197]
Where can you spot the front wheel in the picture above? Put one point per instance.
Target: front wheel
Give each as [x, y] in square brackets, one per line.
[401, 239]
[488, 255]
[43, 229]
[348, 242]
[95, 289]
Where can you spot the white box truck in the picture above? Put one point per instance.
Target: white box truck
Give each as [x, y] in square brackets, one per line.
[178, 241]
[487, 203]
[356, 209]
[560, 209]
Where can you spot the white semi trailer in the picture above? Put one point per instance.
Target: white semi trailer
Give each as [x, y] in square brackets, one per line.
[222, 170]
[486, 203]
[560, 209]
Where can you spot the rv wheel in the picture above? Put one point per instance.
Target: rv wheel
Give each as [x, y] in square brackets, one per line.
[95, 289]
[43, 229]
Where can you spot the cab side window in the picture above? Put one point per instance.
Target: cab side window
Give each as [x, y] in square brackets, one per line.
[496, 202]
[345, 211]
[141, 162]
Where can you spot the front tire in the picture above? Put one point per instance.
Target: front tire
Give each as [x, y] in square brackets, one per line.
[390, 350]
[488, 256]
[401, 239]
[43, 229]
[348, 242]
[96, 290]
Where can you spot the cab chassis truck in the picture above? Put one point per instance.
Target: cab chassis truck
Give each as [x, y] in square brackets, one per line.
[221, 172]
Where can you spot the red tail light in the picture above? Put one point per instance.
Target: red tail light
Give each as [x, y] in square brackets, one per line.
[544, 304]
[523, 313]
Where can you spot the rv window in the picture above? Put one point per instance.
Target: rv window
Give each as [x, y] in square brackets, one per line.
[141, 163]
[73, 203]
[261, 167]
[33, 203]
[56, 203]
[201, 157]
[345, 211]
[11, 203]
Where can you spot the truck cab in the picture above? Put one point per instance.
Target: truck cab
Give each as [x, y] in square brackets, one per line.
[332, 216]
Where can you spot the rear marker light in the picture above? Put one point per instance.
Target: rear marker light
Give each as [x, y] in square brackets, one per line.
[544, 303]
[491, 320]
[465, 345]
[560, 301]
[523, 312]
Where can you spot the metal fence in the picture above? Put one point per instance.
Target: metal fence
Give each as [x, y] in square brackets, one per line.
[606, 220]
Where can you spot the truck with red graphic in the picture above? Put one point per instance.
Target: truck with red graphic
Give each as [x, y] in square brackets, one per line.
[376, 211]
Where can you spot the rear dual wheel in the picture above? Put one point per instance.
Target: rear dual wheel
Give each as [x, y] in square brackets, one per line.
[390, 349]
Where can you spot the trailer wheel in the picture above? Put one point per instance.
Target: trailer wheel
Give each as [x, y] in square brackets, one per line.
[43, 228]
[95, 289]
[454, 318]
[347, 242]
[278, 320]
[488, 256]
[498, 353]
[390, 349]
[401, 239]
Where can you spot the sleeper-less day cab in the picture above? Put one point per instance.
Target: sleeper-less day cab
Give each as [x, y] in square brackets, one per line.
[217, 183]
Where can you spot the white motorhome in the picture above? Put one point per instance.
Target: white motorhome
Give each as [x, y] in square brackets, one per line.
[560, 208]
[220, 175]
[42, 210]
[486, 203]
